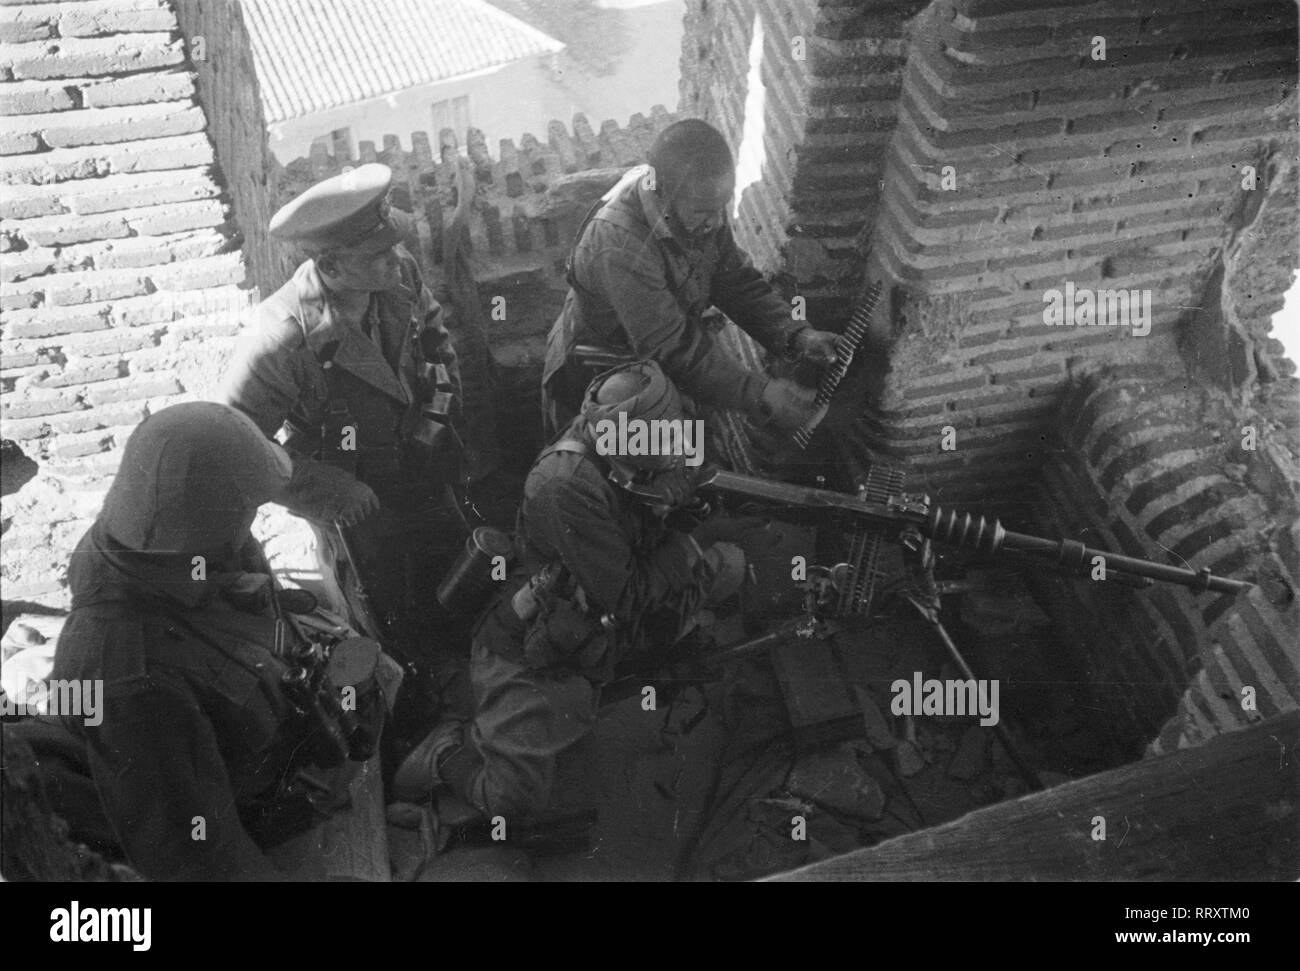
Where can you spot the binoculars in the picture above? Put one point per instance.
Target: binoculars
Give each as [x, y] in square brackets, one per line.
[432, 438]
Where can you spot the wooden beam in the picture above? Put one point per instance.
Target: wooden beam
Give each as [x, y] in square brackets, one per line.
[352, 845]
[1226, 810]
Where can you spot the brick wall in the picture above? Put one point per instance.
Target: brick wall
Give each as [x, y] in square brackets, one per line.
[230, 94]
[122, 276]
[1127, 172]
[1123, 173]
[1151, 465]
[832, 72]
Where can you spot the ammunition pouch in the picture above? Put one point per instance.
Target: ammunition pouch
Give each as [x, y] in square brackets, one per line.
[561, 630]
[565, 635]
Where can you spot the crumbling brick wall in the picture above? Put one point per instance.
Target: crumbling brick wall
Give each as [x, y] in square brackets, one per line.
[832, 72]
[217, 37]
[989, 151]
[122, 276]
[1154, 465]
[1128, 172]
[1123, 173]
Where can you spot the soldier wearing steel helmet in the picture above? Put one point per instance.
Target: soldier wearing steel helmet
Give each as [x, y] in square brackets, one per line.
[602, 574]
[176, 619]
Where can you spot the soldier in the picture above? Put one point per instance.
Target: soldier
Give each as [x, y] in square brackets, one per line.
[351, 363]
[601, 575]
[183, 759]
[649, 260]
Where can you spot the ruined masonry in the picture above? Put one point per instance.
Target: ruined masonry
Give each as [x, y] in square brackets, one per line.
[976, 150]
[122, 271]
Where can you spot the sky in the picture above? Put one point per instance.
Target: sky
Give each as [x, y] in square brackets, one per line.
[1286, 322]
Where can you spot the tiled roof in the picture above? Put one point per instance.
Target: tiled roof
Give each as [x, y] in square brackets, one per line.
[311, 55]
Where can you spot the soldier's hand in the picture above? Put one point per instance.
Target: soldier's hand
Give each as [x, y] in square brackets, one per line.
[817, 346]
[674, 487]
[787, 404]
[728, 564]
[326, 494]
[727, 529]
[356, 504]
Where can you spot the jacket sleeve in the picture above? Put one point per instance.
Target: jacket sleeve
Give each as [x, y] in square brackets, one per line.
[574, 516]
[740, 292]
[163, 785]
[272, 373]
[631, 278]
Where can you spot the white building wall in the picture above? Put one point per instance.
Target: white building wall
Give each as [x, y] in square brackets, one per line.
[522, 97]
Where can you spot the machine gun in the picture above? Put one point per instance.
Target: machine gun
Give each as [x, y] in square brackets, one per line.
[841, 596]
[879, 509]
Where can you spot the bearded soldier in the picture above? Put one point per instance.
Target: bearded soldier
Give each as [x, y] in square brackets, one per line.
[652, 256]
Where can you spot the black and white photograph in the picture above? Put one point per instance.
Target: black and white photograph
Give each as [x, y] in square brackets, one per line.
[650, 441]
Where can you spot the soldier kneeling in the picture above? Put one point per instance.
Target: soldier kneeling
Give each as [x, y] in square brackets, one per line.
[602, 574]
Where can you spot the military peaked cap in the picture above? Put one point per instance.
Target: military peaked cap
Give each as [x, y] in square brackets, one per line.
[348, 211]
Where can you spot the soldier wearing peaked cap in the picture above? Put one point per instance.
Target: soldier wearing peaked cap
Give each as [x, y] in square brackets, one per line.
[351, 364]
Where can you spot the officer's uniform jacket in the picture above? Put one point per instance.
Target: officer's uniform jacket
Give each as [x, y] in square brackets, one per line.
[636, 285]
[300, 358]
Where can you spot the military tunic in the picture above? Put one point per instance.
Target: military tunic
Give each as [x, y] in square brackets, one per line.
[637, 285]
[192, 727]
[349, 395]
[629, 565]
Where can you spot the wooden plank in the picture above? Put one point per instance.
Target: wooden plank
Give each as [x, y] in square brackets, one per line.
[1227, 810]
[352, 845]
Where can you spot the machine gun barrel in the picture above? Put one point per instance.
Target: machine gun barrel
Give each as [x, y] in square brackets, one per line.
[961, 530]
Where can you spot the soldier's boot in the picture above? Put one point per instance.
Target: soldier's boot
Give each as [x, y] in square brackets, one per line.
[441, 758]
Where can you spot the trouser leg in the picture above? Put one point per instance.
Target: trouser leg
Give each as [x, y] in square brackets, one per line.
[523, 721]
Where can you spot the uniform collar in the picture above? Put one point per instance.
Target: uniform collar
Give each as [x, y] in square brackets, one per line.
[107, 571]
[651, 205]
[354, 351]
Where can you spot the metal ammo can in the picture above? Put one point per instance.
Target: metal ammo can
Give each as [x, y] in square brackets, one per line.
[467, 585]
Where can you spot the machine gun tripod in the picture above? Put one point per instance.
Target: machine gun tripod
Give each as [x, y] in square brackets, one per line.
[841, 597]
